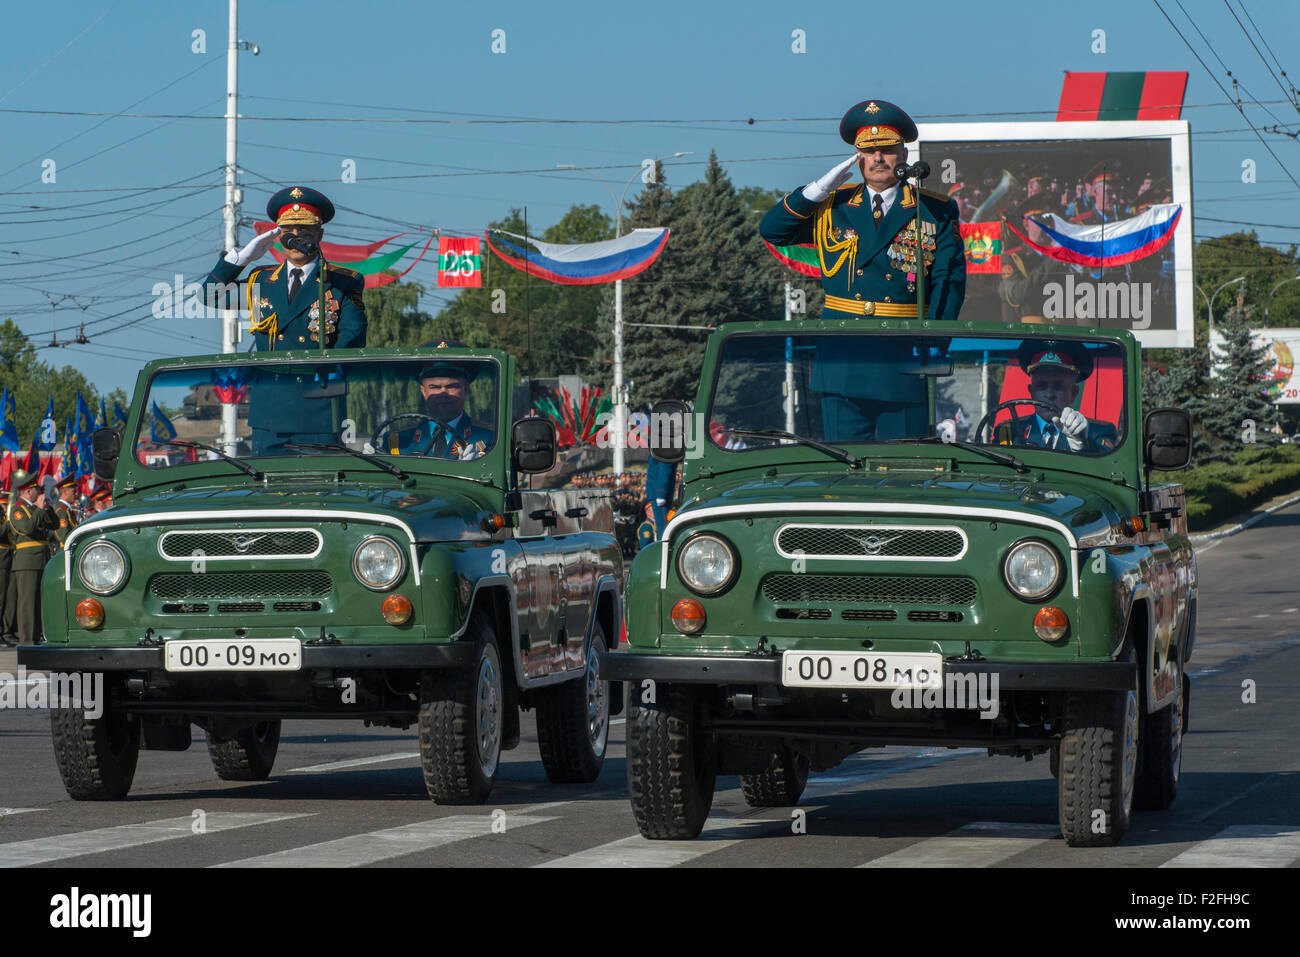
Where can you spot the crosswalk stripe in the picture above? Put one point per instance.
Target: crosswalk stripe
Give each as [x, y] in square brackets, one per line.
[360, 849]
[42, 850]
[1244, 845]
[19, 810]
[356, 762]
[978, 844]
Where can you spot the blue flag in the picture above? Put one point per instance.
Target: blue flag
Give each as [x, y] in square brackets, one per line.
[71, 451]
[47, 436]
[84, 421]
[119, 417]
[102, 419]
[9, 434]
[160, 427]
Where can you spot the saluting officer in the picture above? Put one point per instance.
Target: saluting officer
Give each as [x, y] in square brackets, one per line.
[284, 300]
[868, 247]
[29, 531]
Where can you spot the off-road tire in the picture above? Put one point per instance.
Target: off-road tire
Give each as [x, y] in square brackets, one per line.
[671, 766]
[570, 716]
[781, 784]
[1161, 756]
[96, 757]
[1093, 765]
[451, 718]
[248, 755]
[1054, 760]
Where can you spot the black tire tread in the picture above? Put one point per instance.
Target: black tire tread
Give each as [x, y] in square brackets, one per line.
[780, 785]
[669, 802]
[1089, 750]
[448, 754]
[88, 768]
[1156, 786]
[240, 757]
[562, 736]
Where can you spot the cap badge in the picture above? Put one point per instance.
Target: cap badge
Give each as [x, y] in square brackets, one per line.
[295, 193]
[872, 108]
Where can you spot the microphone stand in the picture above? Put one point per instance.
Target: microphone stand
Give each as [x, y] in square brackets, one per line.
[919, 171]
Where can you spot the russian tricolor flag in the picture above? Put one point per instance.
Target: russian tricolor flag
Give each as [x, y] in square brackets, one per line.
[580, 264]
[1107, 244]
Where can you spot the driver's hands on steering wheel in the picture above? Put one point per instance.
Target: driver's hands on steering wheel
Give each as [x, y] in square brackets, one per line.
[1072, 424]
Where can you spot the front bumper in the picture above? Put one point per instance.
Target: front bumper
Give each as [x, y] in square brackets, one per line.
[454, 655]
[755, 670]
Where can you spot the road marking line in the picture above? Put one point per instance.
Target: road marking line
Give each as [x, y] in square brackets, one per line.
[42, 850]
[355, 762]
[1244, 845]
[19, 810]
[978, 844]
[1236, 797]
[369, 848]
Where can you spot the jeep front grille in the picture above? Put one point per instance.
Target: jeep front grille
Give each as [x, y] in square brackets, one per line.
[221, 544]
[935, 543]
[870, 589]
[240, 586]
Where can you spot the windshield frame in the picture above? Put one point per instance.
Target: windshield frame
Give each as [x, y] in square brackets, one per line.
[928, 448]
[489, 467]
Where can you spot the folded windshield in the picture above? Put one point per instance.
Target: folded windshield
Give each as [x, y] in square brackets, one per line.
[434, 407]
[1064, 395]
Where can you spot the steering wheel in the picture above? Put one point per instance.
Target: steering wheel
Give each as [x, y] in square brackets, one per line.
[1051, 410]
[379, 430]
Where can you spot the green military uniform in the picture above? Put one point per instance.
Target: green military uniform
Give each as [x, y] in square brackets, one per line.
[67, 521]
[868, 262]
[7, 617]
[29, 532]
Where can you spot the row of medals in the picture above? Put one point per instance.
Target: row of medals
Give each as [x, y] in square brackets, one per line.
[902, 251]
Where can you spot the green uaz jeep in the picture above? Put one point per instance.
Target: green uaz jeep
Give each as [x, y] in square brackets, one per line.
[917, 533]
[324, 535]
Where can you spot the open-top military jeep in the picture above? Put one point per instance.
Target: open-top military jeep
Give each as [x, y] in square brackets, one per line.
[917, 533]
[318, 544]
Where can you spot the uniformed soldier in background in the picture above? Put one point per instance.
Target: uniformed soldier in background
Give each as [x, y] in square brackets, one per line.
[65, 510]
[1026, 273]
[7, 618]
[29, 532]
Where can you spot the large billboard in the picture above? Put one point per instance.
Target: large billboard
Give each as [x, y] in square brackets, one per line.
[1086, 224]
[1283, 344]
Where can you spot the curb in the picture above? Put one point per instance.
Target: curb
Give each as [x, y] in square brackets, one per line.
[1242, 526]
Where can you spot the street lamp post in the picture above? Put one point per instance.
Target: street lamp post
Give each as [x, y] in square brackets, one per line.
[619, 422]
[1209, 305]
[1275, 289]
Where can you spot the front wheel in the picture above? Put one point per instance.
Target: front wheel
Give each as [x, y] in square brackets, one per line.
[573, 722]
[1098, 765]
[96, 757]
[248, 755]
[671, 765]
[462, 723]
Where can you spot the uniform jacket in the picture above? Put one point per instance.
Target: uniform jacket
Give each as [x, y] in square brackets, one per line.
[869, 261]
[29, 531]
[280, 324]
[1025, 432]
[468, 441]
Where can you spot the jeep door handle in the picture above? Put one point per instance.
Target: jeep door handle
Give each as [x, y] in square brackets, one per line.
[579, 512]
[547, 516]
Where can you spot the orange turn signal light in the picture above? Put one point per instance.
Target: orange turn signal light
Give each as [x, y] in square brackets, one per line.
[90, 613]
[494, 522]
[397, 609]
[1134, 524]
[1050, 623]
[688, 616]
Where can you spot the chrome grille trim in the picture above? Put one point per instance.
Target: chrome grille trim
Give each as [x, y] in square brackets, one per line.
[218, 545]
[910, 543]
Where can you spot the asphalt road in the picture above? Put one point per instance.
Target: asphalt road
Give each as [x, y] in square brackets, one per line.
[344, 795]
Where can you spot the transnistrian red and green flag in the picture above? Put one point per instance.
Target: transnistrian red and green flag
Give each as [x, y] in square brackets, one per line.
[365, 259]
[1122, 96]
[801, 258]
[459, 263]
[983, 242]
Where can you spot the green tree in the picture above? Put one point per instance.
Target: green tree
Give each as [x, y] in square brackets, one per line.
[1239, 409]
[31, 382]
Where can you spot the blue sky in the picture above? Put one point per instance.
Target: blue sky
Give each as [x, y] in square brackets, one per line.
[628, 81]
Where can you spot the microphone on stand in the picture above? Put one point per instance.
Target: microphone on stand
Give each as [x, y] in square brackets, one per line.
[918, 170]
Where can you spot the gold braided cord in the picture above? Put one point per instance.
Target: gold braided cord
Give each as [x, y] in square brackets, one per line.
[847, 248]
[269, 324]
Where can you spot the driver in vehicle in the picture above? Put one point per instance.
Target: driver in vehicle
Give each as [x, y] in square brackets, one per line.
[448, 432]
[1057, 371]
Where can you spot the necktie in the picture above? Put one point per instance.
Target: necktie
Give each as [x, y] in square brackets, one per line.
[876, 201]
[1049, 437]
[296, 284]
[440, 443]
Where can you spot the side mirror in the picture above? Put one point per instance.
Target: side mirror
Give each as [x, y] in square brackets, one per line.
[669, 420]
[533, 445]
[1167, 439]
[105, 446]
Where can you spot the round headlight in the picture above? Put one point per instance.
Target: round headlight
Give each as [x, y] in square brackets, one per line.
[1032, 569]
[102, 567]
[707, 564]
[378, 563]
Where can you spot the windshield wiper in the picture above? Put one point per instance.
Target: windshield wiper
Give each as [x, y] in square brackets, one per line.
[388, 467]
[225, 456]
[1006, 458]
[834, 451]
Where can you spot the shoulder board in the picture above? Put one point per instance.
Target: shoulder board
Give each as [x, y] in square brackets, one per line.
[848, 186]
[942, 197]
[343, 271]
